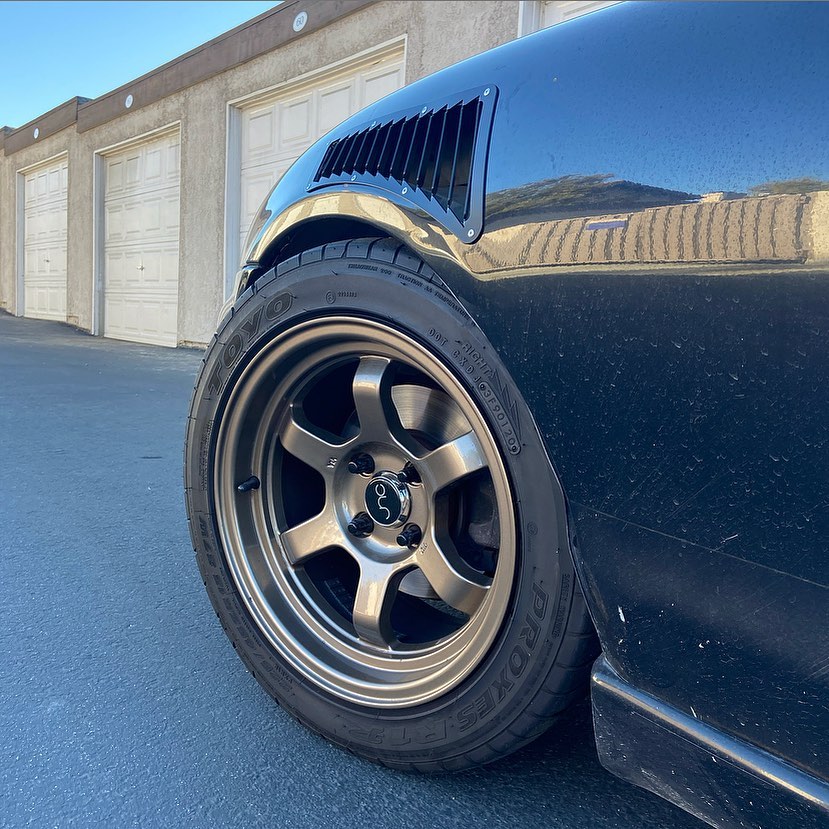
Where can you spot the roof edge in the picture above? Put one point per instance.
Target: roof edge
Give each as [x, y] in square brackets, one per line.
[55, 120]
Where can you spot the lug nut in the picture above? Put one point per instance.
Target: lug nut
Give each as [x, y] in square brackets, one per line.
[410, 536]
[408, 475]
[361, 525]
[249, 484]
[361, 464]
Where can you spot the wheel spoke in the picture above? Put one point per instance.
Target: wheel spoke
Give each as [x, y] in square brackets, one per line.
[376, 592]
[308, 444]
[458, 584]
[452, 461]
[372, 397]
[310, 537]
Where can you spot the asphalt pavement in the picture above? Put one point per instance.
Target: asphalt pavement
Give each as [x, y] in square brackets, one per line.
[122, 704]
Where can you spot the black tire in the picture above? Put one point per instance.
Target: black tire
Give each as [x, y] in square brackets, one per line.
[537, 660]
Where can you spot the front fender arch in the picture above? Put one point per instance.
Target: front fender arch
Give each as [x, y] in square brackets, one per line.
[337, 215]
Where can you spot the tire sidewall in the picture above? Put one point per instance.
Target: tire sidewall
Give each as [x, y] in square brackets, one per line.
[525, 650]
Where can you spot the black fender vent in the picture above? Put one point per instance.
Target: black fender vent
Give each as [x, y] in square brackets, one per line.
[434, 157]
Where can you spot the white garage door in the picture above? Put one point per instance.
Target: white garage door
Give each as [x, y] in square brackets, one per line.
[141, 236]
[277, 129]
[44, 242]
[560, 11]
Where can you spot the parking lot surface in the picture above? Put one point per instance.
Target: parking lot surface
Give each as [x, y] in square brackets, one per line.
[122, 703]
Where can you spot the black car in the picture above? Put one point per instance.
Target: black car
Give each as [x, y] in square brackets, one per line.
[524, 392]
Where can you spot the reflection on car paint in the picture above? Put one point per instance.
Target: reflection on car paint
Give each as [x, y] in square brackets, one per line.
[712, 228]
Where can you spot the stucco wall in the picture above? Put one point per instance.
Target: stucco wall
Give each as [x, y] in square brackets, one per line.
[437, 35]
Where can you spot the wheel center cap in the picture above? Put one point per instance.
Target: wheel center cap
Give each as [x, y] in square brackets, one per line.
[387, 500]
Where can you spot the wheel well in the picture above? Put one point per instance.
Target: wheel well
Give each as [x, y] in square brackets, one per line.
[312, 234]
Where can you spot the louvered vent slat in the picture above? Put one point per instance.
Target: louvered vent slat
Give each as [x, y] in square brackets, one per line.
[375, 144]
[444, 165]
[326, 166]
[453, 180]
[381, 148]
[365, 148]
[460, 199]
[431, 153]
[414, 161]
[351, 156]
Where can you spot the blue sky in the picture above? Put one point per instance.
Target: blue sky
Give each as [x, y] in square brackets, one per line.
[52, 51]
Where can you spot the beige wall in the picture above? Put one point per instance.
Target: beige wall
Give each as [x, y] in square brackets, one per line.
[437, 35]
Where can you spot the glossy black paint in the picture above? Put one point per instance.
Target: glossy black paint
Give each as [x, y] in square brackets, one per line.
[654, 270]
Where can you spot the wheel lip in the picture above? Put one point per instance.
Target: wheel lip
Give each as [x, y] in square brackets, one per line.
[436, 659]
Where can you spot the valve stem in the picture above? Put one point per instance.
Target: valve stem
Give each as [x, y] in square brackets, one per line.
[249, 484]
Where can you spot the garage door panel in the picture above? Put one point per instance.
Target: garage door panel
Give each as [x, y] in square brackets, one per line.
[173, 162]
[116, 266]
[53, 265]
[259, 131]
[149, 216]
[153, 270]
[113, 223]
[59, 260]
[132, 270]
[336, 103]
[381, 82]
[295, 120]
[277, 130]
[153, 168]
[142, 242]
[133, 226]
[45, 225]
[148, 319]
[114, 176]
[31, 265]
[170, 214]
[44, 241]
[132, 172]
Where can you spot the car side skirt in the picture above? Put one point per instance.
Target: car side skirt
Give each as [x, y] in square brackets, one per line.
[723, 781]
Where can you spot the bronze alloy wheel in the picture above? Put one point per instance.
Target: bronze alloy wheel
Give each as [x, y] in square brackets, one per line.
[376, 547]
[375, 518]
